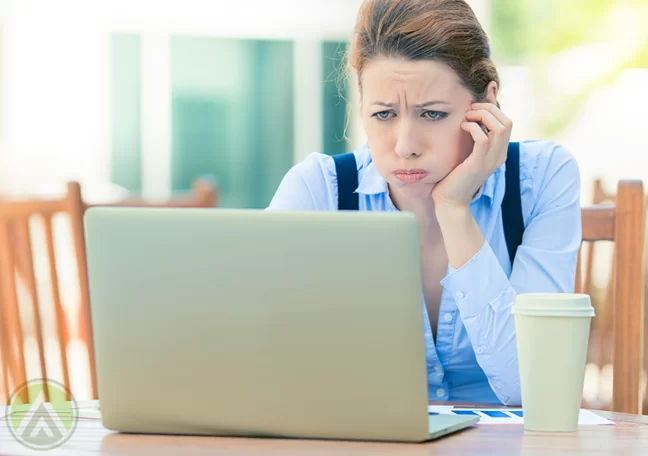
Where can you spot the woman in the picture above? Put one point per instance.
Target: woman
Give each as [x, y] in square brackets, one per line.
[437, 147]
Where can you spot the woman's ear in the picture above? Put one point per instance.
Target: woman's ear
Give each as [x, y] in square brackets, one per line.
[491, 93]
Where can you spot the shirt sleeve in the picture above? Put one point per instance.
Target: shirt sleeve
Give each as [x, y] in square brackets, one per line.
[545, 262]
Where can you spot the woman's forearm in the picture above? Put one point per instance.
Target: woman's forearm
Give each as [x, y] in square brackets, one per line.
[461, 234]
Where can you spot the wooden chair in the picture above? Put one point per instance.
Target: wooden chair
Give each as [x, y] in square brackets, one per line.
[623, 223]
[204, 193]
[16, 260]
[604, 324]
[16, 264]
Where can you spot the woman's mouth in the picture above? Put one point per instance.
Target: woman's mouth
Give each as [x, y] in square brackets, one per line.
[410, 176]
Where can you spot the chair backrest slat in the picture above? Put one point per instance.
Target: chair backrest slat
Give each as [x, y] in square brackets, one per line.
[4, 367]
[628, 298]
[76, 208]
[56, 300]
[578, 287]
[25, 267]
[12, 327]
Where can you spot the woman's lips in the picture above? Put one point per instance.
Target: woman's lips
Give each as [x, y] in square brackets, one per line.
[410, 176]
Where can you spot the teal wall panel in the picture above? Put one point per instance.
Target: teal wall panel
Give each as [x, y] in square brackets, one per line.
[126, 111]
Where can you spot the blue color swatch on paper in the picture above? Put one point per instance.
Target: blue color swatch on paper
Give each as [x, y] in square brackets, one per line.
[464, 412]
[495, 414]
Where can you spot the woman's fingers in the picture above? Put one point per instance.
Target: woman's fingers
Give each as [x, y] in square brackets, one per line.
[485, 118]
[475, 131]
[478, 135]
[495, 112]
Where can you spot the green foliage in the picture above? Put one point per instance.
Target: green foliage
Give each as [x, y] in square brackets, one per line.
[535, 32]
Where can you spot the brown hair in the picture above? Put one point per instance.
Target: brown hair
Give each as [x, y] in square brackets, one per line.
[443, 30]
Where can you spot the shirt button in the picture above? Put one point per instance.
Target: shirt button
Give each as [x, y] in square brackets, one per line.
[479, 351]
[460, 294]
[440, 392]
[437, 368]
[447, 317]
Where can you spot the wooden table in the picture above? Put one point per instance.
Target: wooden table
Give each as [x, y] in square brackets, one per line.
[629, 437]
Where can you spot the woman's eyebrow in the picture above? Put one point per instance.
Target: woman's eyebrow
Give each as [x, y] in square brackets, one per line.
[382, 103]
[422, 105]
[430, 103]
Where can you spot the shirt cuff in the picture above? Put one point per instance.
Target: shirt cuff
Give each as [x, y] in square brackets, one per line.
[477, 283]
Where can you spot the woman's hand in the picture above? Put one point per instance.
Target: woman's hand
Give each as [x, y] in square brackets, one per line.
[458, 188]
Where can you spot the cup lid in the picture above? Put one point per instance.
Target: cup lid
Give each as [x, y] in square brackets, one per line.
[553, 305]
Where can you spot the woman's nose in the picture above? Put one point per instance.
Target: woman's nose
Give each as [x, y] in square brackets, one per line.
[407, 144]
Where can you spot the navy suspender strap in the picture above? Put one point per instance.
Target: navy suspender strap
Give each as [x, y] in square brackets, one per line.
[347, 178]
[512, 218]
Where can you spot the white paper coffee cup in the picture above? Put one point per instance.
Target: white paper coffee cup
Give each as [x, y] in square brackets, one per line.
[552, 331]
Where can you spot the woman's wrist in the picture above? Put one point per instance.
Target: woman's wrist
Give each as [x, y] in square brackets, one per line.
[449, 212]
[461, 233]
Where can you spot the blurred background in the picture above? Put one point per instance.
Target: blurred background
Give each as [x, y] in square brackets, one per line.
[145, 96]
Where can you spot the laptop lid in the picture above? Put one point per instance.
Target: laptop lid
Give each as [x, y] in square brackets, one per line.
[258, 323]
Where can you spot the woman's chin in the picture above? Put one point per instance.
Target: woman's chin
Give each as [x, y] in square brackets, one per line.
[414, 191]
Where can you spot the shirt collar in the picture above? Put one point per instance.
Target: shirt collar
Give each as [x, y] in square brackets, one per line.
[372, 183]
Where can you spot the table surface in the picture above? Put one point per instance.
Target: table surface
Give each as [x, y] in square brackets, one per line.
[628, 437]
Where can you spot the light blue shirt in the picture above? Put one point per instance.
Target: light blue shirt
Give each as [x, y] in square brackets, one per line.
[474, 358]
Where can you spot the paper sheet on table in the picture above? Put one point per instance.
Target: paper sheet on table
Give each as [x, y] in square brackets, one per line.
[84, 410]
[513, 416]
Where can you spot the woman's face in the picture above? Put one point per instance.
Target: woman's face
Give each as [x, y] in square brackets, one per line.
[412, 113]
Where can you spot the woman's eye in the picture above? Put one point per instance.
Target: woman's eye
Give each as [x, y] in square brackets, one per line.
[382, 115]
[435, 115]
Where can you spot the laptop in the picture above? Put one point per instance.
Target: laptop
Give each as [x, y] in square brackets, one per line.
[259, 323]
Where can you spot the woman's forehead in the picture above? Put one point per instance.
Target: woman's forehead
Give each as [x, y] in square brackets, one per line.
[391, 77]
